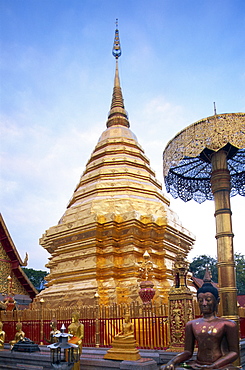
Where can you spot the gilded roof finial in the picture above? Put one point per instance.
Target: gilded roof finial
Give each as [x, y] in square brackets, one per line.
[215, 112]
[116, 51]
[117, 114]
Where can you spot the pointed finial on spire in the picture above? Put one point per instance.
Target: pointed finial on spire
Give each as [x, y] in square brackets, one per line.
[117, 114]
[116, 51]
[215, 109]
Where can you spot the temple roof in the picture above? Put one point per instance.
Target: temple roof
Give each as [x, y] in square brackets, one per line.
[15, 259]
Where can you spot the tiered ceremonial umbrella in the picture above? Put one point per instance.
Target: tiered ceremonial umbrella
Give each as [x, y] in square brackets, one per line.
[206, 160]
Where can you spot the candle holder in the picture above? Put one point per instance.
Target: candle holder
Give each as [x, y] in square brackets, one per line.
[63, 354]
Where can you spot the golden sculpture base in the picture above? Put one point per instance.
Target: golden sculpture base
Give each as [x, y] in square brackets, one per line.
[76, 366]
[123, 349]
[175, 349]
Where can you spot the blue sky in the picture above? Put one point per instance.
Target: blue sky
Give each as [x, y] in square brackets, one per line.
[56, 80]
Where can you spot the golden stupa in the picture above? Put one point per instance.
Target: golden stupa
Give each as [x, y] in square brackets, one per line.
[116, 213]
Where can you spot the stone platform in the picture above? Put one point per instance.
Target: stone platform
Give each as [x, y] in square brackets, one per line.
[91, 359]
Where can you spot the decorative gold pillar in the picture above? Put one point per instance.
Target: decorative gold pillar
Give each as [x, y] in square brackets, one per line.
[180, 305]
[220, 181]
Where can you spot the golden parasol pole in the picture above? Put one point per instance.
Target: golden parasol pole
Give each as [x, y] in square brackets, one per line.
[220, 181]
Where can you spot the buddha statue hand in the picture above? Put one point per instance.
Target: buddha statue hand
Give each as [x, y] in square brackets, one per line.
[168, 366]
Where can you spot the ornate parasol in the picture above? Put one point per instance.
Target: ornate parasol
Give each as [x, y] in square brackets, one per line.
[206, 160]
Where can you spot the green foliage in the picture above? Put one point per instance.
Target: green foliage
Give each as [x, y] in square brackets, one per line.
[37, 277]
[240, 273]
[198, 267]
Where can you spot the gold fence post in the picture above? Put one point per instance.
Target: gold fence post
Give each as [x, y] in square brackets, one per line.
[97, 313]
[41, 321]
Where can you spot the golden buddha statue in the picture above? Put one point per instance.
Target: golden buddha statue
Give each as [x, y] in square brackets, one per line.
[19, 335]
[124, 343]
[2, 335]
[217, 337]
[53, 325]
[127, 329]
[76, 328]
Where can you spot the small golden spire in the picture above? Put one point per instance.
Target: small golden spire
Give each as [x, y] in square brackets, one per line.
[117, 114]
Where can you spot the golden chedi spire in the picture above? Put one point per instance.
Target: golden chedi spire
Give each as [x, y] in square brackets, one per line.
[116, 212]
[117, 114]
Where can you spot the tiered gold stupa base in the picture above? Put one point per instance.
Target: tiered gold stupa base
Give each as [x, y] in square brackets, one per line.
[123, 349]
